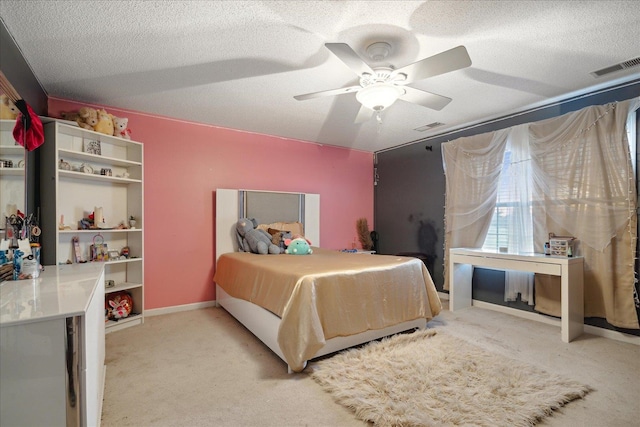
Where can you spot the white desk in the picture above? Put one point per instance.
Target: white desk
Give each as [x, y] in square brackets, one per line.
[570, 270]
[47, 326]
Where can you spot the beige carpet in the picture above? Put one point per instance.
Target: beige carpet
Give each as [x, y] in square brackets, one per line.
[201, 368]
[431, 379]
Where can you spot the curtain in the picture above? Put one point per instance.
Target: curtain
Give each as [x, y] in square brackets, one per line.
[584, 186]
[518, 189]
[474, 164]
[581, 184]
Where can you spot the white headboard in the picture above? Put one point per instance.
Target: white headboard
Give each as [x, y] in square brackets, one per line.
[232, 205]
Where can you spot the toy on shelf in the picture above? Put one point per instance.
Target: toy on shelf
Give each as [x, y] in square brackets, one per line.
[99, 251]
[105, 123]
[85, 117]
[120, 128]
[118, 305]
[8, 110]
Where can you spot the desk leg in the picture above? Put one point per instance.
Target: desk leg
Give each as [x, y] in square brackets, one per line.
[459, 285]
[572, 302]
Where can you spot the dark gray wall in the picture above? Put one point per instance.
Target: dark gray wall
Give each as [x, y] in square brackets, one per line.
[409, 196]
[409, 204]
[19, 74]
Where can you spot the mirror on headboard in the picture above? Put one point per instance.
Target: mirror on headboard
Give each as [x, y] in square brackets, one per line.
[271, 207]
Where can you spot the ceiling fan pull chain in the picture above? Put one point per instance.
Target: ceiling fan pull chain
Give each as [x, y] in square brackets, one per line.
[379, 120]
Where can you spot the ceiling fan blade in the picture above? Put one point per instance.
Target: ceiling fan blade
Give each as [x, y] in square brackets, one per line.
[331, 92]
[426, 99]
[351, 59]
[363, 115]
[444, 62]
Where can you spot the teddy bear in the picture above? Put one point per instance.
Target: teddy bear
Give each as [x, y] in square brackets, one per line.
[85, 117]
[120, 128]
[251, 239]
[298, 246]
[8, 110]
[71, 116]
[105, 123]
[278, 237]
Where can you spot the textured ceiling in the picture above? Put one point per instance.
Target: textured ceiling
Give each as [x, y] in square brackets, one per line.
[239, 64]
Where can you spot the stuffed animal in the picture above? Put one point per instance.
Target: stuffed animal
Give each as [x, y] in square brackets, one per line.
[71, 116]
[8, 110]
[120, 128]
[300, 236]
[254, 240]
[105, 123]
[298, 246]
[86, 117]
[118, 305]
[278, 237]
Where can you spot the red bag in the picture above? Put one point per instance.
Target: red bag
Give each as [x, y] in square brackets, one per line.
[28, 131]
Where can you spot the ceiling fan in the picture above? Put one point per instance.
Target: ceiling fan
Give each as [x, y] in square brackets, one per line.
[380, 87]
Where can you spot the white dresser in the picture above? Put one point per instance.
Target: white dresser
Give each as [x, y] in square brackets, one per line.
[52, 348]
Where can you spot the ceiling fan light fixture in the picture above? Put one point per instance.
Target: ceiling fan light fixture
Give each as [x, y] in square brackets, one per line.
[379, 96]
[378, 51]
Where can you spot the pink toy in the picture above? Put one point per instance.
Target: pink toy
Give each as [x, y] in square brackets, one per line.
[118, 305]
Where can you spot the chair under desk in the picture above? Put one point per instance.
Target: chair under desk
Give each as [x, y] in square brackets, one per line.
[570, 271]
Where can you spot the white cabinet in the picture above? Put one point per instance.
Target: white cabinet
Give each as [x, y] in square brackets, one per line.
[82, 171]
[52, 348]
[12, 178]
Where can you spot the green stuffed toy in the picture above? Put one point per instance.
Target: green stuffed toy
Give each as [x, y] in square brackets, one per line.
[298, 246]
[254, 240]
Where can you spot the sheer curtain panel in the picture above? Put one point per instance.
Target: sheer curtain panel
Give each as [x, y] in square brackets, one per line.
[472, 168]
[575, 177]
[584, 186]
[520, 230]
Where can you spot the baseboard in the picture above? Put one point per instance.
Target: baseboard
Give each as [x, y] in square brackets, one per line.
[611, 334]
[178, 308]
[588, 329]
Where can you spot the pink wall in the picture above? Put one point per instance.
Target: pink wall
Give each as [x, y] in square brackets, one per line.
[184, 164]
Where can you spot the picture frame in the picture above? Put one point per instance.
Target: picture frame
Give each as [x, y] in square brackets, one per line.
[99, 252]
[92, 146]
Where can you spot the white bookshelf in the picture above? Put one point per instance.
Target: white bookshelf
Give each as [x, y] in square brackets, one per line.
[68, 196]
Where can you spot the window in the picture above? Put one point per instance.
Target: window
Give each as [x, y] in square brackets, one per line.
[498, 234]
[502, 232]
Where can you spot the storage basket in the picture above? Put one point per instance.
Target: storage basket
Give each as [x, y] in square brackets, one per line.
[561, 245]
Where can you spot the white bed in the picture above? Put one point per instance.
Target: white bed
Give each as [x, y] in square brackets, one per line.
[263, 323]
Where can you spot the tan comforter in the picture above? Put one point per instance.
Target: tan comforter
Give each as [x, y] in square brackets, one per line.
[328, 294]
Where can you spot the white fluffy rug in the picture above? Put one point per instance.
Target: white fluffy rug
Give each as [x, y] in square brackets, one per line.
[432, 379]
